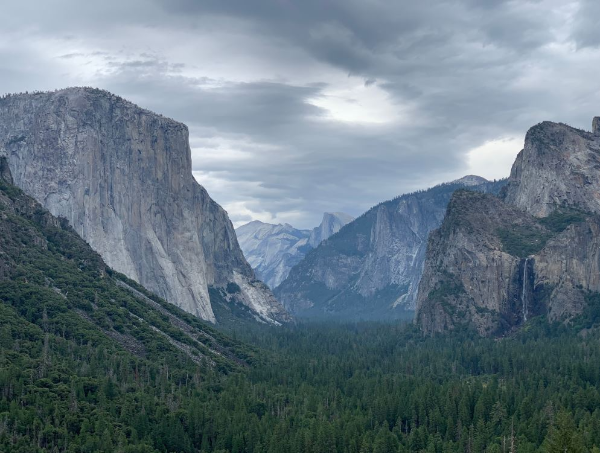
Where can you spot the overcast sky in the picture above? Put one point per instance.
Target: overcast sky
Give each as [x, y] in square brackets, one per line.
[296, 107]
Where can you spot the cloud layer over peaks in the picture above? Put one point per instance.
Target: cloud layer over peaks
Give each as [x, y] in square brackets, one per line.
[296, 108]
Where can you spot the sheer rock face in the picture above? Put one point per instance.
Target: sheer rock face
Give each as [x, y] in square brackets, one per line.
[332, 223]
[567, 267]
[371, 268]
[559, 165]
[452, 286]
[122, 177]
[495, 263]
[272, 250]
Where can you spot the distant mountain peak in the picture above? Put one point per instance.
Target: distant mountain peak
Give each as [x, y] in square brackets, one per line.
[470, 180]
[338, 215]
[332, 223]
[273, 249]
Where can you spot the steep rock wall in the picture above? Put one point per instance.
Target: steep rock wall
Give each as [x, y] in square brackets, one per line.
[496, 262]
[121, 176]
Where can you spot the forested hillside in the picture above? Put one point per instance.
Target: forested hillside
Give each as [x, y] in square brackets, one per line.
[89, 360]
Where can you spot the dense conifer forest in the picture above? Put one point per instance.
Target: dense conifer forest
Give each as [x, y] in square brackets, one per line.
[347, 388]
[91, 362]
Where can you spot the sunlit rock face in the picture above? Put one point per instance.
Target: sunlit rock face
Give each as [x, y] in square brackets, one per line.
[121, 176]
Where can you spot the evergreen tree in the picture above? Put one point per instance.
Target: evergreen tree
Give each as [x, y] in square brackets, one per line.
[563, 436]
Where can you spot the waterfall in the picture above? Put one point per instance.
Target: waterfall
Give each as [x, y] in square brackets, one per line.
[524, 291]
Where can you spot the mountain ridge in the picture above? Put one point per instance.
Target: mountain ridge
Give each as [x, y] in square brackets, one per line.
[370, 269]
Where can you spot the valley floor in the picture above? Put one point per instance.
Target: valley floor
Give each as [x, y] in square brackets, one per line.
[358, 388]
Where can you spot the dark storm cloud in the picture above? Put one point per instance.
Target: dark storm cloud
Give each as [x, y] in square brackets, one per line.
[275, 91]
[355, 33]
[456, 59]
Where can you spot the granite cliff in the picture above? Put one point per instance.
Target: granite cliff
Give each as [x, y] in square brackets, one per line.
[121, 176]
[332, 223]
[558, 166]
[497, 262]
[272, 250]
[371, 268]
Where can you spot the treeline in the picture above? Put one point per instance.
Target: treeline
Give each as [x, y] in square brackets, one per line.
[88, 88]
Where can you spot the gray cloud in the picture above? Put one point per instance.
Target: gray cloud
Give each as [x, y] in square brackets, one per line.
[299, 107]
[587, 24]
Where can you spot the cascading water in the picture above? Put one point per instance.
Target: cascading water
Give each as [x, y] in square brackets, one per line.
[524, 291]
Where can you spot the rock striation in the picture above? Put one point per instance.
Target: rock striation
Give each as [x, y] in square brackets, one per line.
[497, 262]
[121, 176]
[371, 268]
[272, 250]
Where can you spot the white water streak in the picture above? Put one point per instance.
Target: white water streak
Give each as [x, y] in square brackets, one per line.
[524, 291]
